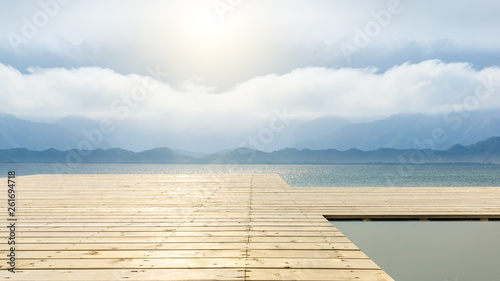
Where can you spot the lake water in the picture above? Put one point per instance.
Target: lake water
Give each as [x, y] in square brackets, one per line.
[430, 251]
[408, 251]
[299, 175]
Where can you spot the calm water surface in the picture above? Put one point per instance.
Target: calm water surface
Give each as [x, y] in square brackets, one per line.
[430, 251]
[300, 175]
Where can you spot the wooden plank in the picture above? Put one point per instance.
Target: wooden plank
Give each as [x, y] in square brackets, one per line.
[118, 254]
[208, 227]
[316, 274]
[173, 263]
[153, 234]
[127, 240]
[182, 246]
[316, 254]
[128, 274]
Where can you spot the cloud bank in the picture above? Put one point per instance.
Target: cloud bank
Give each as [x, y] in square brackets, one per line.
[427, 87]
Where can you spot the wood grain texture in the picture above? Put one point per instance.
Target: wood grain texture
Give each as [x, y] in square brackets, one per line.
[208, 227]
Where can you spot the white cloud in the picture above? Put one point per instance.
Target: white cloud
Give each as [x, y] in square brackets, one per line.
[428, 87]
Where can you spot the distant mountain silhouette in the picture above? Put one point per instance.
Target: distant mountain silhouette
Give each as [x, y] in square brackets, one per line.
[402, 131]
[318, 129]
[63, 134]
[18, 133]
[483, 152]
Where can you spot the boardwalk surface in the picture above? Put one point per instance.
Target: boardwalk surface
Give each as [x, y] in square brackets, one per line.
[207, 227]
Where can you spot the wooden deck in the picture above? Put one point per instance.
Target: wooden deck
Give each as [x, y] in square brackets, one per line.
[207, 227]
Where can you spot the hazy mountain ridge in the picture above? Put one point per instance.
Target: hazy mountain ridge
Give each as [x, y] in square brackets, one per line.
[19, 133]
[113, 155]
[401, 131]
[484, 152]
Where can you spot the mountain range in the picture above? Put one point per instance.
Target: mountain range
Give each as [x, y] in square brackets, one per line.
[401, 131]
[483, 152]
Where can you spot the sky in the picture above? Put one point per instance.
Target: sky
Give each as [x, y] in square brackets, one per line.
[206, 68]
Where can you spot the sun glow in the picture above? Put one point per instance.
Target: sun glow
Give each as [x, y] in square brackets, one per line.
[206, 29]
[198, 44]
[210, 29]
